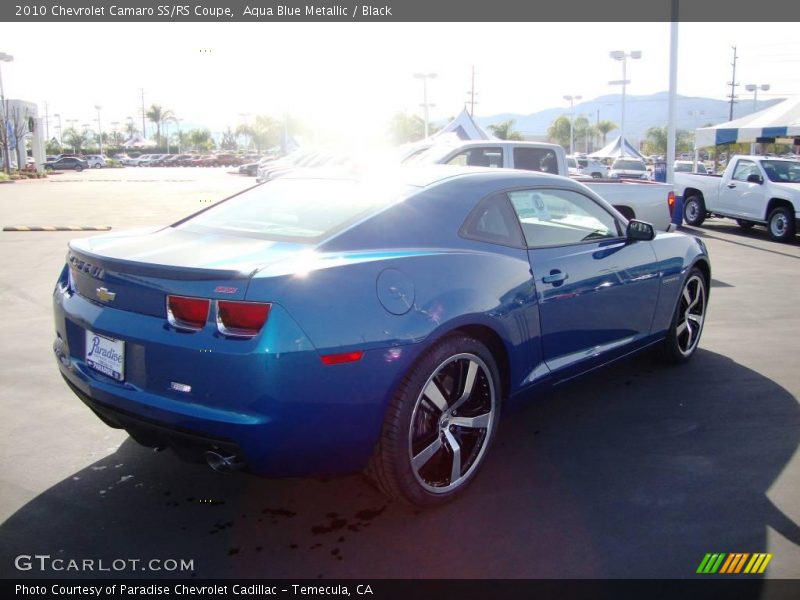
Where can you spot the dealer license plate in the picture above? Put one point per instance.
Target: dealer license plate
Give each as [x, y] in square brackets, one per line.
[106, 355]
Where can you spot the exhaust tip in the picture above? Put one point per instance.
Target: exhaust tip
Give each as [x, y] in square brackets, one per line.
[223, 464]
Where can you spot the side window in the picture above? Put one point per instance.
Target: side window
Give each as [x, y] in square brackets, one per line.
[494, 221]
[478, 157]
[744, 168]
[553, 217]
[536, 159]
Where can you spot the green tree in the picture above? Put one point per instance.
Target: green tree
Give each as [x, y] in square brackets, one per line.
[559, 131]
[228, 141]
[131, 129]
[54, 147]
[603, 127]
[201, 139]
[157, 115]
[505, 130]
[264, 132]
[581, 132]
[656, 140]
[405, 128]
[76, 140]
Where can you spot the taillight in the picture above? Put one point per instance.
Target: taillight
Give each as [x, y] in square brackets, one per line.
[344, 357]
[671, 202]
[187, 313]
[241, 319]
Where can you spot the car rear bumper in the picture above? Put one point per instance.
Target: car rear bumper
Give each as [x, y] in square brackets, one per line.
[282, 411]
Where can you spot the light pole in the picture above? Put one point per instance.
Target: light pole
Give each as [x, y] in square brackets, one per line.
[178, 123]
[115, 132]
[6, 158]
[623, 56]
[58, 116]
[99, 128]
[425, 105]
[752, 87]
[571, 100]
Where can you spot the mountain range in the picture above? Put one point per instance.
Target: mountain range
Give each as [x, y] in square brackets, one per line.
[641, 113]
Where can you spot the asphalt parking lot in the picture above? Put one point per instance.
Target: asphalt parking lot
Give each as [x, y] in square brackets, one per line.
[633, 472]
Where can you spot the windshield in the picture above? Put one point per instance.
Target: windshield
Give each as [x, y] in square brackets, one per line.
[302, 210]
[782, 171]
[571, 163]
[628, 165]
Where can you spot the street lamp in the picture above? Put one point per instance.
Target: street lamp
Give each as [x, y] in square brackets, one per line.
[425, 105]
[571, 100]
[178, 123]
[99, 128]
[623, 56]
[752, 87]
[115, 132]
[58, 116]
[6, 157]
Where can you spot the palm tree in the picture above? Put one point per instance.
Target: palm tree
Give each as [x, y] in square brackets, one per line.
[581, 130]
[603, 127]
[263, 132]
[559, 131]
[157, 115]
[504, 130]
[76, 139]
[228, 141]
[405, 128]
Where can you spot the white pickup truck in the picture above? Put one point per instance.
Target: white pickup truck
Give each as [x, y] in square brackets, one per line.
[754, 190]
[643, 200]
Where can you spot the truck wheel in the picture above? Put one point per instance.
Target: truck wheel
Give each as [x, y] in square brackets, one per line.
[781, 224]
[744, 224]
[694, 211]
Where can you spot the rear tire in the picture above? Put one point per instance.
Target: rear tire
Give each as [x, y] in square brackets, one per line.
[78, 169]
[694, 211]
[687, 320]
[439, 425]
[780, 224]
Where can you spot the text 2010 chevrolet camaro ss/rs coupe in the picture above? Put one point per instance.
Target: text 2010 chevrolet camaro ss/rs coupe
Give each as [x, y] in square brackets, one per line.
[325, 324]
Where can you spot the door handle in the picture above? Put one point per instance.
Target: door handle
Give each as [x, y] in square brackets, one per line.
[731, 185]
[556, 277]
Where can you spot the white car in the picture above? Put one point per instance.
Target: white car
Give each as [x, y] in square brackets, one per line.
[628, 167]
[96, 161]
[590, 167]
[687, 166]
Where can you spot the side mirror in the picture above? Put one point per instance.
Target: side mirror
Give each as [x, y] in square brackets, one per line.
[754, 178]
[640, 231]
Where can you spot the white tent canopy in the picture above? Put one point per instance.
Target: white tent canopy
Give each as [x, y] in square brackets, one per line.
[615, 150]
[465, 128]
[781, 120]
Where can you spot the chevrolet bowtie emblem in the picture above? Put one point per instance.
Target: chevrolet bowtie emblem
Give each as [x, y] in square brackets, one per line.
[104, 295]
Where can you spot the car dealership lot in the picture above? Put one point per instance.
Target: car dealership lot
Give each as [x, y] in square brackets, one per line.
[636, 471]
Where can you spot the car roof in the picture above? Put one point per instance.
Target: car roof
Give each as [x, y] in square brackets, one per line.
[429, 175]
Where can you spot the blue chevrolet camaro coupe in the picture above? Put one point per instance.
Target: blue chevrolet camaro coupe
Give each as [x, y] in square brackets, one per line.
[326, 324]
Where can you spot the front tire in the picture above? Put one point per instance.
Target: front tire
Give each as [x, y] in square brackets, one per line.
[439, 425]
[78, 169]
[781, 224]
[694, 211]
[688, 320]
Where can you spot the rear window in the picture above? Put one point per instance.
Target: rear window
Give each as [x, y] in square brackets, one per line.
[303, 210]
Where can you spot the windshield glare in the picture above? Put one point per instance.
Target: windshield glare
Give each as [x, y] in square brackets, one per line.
[304, 210]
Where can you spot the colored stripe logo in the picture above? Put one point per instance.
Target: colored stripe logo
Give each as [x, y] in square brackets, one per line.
[734, 563]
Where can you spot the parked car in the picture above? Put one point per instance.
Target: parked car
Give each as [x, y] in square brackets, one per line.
[591, 167]
[456, 289]
[176, 160]
[688, 166]
[67, 163]
[160, 161]
[96, 161]
[152, 160]
[139, 160]
[754, 190]
[628, 168]
[645, 200]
